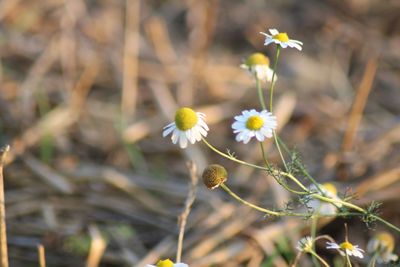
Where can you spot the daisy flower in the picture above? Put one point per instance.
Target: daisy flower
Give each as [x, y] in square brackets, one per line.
[257, 64]
[382, 245]
[305, 244]
[346, 248]
[281, 38]
[322, 207]
[167, 263]
[188, 126]
[254, 124]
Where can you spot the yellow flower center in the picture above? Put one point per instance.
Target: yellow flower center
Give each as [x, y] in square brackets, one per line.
[346, 245]
[165, 263]
[185, 119]
[257, 59]
[386, 241]
[283, 37]
[254, 123]
[330, 188]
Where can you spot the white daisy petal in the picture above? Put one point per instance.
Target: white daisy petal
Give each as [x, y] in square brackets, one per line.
[183, 140]
[175, 136]
[268, 41]
[168, 130]
[273, 31]
[266, 34]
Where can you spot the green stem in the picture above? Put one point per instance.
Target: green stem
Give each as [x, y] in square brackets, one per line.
[260, 93]
[314, 223]
[348, 260]
[264, 155]
[270, 212]
[277, 180]
[319, 258]
[279, 149]
[271, 99]
[306, 191]
[276, 172]
[271, 91]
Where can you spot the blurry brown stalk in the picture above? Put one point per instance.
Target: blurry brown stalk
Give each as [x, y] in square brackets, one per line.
[42, 257]
[130, 60]
[188, 205]
[97, 247]
[3, 234]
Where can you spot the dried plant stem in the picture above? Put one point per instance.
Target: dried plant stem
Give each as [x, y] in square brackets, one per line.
[3, 234]
[130, 59]
[42, 257]
[97, 247]
[188, 204]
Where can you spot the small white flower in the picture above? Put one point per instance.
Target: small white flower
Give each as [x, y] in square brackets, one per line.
[382, 244]
[346, 248]
[188, 125]
[305, 244]
[281, 39]
[321, 207]
[254, 124]
[257, 64]
[168, 263]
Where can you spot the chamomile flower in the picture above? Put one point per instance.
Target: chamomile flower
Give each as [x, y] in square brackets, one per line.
[281, 38]
[167, 263]
[254, 124]
[305, 244]
[321, 207]
[382, 245]
[188, 126]
[346, 248]
[257, 64]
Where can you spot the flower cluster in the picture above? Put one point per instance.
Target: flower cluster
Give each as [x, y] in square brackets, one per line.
[189, 126]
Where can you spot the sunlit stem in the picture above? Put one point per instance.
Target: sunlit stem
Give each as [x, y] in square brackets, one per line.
[313, 253]
[276, 172]
[271, 91]
[271, 100]
[306, 190]
[314, 223]
[269, 212]
[277, 180]
[348, 260]
[260, 93]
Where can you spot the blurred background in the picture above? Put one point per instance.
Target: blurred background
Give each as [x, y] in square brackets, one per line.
[86, 87]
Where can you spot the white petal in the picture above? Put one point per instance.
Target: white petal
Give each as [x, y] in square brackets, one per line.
[167, 131]
[175, 135]
[297, 46]
[297, 42]
[169, 125]
[266, 34]
[246, 139]
[260, 137]
[238, 125]
[202, 131]
[268, 41]
[273, 31]
[283, 45]
[181, 265]
[203, 124]
[190, 135]
[240, 118]
[183, 140]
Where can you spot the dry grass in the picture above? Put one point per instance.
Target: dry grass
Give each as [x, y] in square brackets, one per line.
[86, 87]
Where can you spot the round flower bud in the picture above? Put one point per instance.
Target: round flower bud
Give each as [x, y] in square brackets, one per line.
[214, 175]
